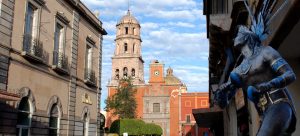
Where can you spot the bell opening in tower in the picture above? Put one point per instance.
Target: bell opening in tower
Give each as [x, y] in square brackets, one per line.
[126, 30]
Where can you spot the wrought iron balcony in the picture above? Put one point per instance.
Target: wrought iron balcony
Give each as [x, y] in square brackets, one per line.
[60, 62]
[33, 49]
[90, 77]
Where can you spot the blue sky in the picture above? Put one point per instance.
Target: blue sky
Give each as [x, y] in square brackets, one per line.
[173, 32]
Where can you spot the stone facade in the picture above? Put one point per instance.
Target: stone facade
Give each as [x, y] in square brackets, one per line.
[6, 19]
[46, 50]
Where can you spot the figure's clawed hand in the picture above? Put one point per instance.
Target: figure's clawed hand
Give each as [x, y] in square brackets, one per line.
[224, 86]
[220, 97]
[263, 87]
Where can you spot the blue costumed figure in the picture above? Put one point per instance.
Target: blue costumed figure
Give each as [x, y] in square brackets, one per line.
[263, 75]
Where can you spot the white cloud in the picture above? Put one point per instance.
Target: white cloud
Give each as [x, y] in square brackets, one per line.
[164, 9]
[173, 31]
[109, 26]
[190, 15]
[148, 26]
[181, 24]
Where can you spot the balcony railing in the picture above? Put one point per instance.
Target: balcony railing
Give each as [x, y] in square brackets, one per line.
[60, 62]
[90, 77]
[33, 49]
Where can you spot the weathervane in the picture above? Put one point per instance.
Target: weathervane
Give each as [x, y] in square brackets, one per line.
[128, 5]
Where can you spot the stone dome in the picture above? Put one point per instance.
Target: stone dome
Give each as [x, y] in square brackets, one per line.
[128, 18]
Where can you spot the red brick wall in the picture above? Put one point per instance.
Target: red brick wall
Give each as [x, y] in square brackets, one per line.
[191, 101]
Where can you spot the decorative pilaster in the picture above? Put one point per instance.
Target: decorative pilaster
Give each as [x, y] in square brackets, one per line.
[73, 74]
[99, 89]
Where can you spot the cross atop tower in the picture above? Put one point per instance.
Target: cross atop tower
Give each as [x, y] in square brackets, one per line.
[128, 7]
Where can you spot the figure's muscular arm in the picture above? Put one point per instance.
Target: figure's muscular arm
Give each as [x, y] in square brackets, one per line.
[284, 72]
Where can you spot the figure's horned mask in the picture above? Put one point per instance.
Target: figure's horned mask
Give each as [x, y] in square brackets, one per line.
[244, 36]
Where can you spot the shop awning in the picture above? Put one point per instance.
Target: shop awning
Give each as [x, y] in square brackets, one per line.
[208, 117]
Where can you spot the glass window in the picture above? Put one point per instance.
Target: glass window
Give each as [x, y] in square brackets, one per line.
[31, 26]
[88, 57]
[54, 121]
[156, 107]
[188, 118]
[24, 117]
[59, 43]
[59, 38]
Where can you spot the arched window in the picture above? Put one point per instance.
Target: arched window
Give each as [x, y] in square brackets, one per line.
[133, 31]
[133, 72]
[126, 30]
[125, 71]
[54, 121]
[133, 48]
[117, 76]
[85, 125]
[24, 117]
[125, 47]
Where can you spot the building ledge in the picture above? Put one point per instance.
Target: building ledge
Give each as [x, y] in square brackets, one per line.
[89, 82]
[207, 117]
[6, 96]
[59, 69]
[32, 57]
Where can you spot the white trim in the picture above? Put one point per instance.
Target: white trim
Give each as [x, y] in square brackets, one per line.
[0, 7]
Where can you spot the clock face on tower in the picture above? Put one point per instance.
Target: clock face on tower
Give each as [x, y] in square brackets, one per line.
[156, 72]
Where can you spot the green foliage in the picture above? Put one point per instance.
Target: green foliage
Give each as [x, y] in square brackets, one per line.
[152, 129]
[135, 127]
[115, 127]
[123, 103]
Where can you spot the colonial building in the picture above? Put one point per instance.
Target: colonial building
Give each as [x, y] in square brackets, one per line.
[223, 17]
[164, 99]
[50, 58]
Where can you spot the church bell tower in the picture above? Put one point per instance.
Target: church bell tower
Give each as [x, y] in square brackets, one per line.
[127, 59]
